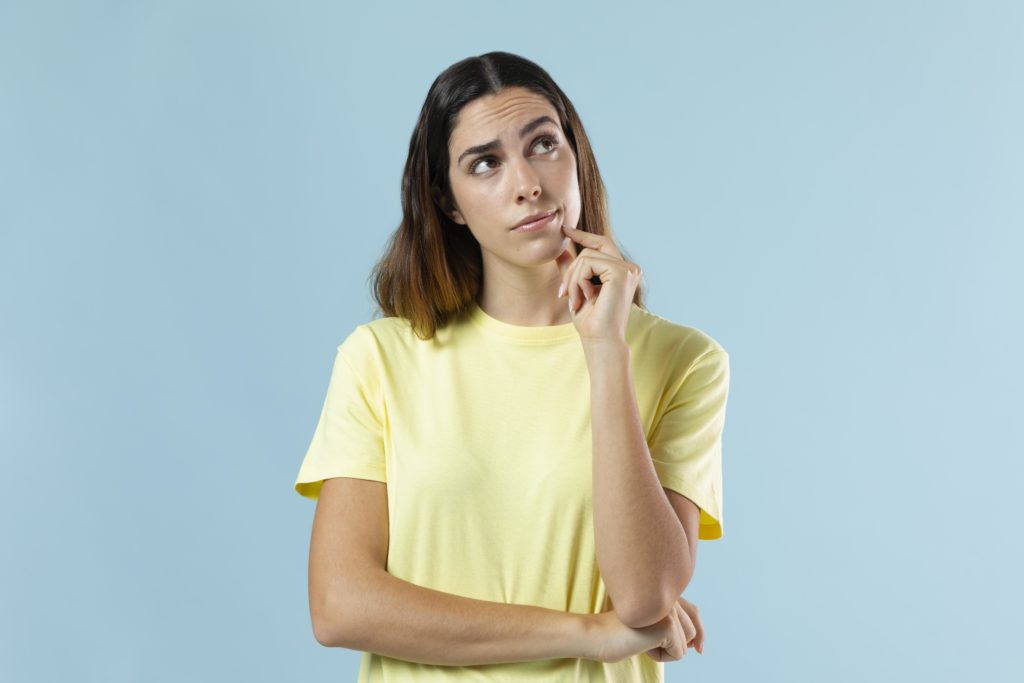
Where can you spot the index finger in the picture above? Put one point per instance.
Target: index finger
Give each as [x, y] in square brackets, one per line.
[601, 243]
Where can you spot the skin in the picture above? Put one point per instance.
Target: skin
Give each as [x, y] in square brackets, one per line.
[495, 190]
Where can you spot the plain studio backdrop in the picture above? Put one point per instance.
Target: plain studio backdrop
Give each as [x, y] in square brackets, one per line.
[192, 195]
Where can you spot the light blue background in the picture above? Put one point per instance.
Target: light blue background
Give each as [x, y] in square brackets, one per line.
[193, 194]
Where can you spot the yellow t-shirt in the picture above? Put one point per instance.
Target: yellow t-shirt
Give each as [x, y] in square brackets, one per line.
[483, 437]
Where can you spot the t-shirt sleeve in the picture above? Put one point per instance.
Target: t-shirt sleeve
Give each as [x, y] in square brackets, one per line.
[349, 437]
[686, 442]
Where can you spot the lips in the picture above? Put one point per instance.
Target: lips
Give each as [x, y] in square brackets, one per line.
[534, 217]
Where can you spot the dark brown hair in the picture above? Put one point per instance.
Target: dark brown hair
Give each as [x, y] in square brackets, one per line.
[432, 268]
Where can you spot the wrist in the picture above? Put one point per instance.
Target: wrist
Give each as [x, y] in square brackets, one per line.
[606, 349]
[593, 629]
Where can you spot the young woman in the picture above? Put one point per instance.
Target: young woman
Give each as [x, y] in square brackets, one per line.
[514, 464]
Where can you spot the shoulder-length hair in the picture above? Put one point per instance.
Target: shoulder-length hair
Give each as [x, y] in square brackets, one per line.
[432, 268]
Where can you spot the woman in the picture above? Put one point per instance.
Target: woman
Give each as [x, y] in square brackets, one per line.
[516, 420]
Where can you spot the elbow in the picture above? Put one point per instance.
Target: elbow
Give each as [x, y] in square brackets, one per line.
[338, 610]
[323, 633]
[642, 616]
[324, 615]
[644, 613]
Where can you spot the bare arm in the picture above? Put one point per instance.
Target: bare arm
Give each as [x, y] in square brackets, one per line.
[355, 603]
[396, 618]
[643, 551]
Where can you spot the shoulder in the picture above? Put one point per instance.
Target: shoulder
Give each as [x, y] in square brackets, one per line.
[386, 330]
[657, 337]
[370, 342]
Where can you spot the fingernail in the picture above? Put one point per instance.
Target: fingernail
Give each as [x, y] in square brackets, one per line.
[571, 312]
[561, 290]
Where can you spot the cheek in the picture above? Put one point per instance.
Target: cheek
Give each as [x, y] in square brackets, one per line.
[481, 202]
[570, 189]
[561, 181]
[570, 181]
[471, 200]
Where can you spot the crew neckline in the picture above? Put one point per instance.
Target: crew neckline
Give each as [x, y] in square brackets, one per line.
[526, 334]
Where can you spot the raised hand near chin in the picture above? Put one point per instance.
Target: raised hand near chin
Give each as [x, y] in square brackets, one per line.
[600, 312]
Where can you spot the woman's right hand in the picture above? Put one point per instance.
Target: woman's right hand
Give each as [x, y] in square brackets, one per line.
[665, 641]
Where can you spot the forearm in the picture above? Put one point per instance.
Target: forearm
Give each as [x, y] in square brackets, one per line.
[642, 550]
[396, 618]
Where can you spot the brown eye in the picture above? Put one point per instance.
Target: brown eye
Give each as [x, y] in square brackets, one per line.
[474, 164]
[550, 139]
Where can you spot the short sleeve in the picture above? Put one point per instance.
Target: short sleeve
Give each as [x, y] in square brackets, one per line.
[349, 437]
[686, 442]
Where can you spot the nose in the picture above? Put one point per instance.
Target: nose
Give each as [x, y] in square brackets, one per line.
[527, 181]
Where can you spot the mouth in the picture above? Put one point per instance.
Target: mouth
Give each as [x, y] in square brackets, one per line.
[535, 222]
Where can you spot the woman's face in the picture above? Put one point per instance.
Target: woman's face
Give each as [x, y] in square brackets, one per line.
[529, 169]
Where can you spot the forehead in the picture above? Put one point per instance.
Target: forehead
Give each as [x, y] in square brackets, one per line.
[497, 116]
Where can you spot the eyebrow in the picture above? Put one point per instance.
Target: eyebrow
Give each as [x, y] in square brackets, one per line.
[523, 132]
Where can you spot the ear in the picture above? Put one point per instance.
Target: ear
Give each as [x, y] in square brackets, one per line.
[447, 207]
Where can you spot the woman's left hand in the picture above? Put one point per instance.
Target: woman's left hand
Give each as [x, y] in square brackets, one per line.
[601, 311]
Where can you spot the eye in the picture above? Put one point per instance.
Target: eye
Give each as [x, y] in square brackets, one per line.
[546, 138]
